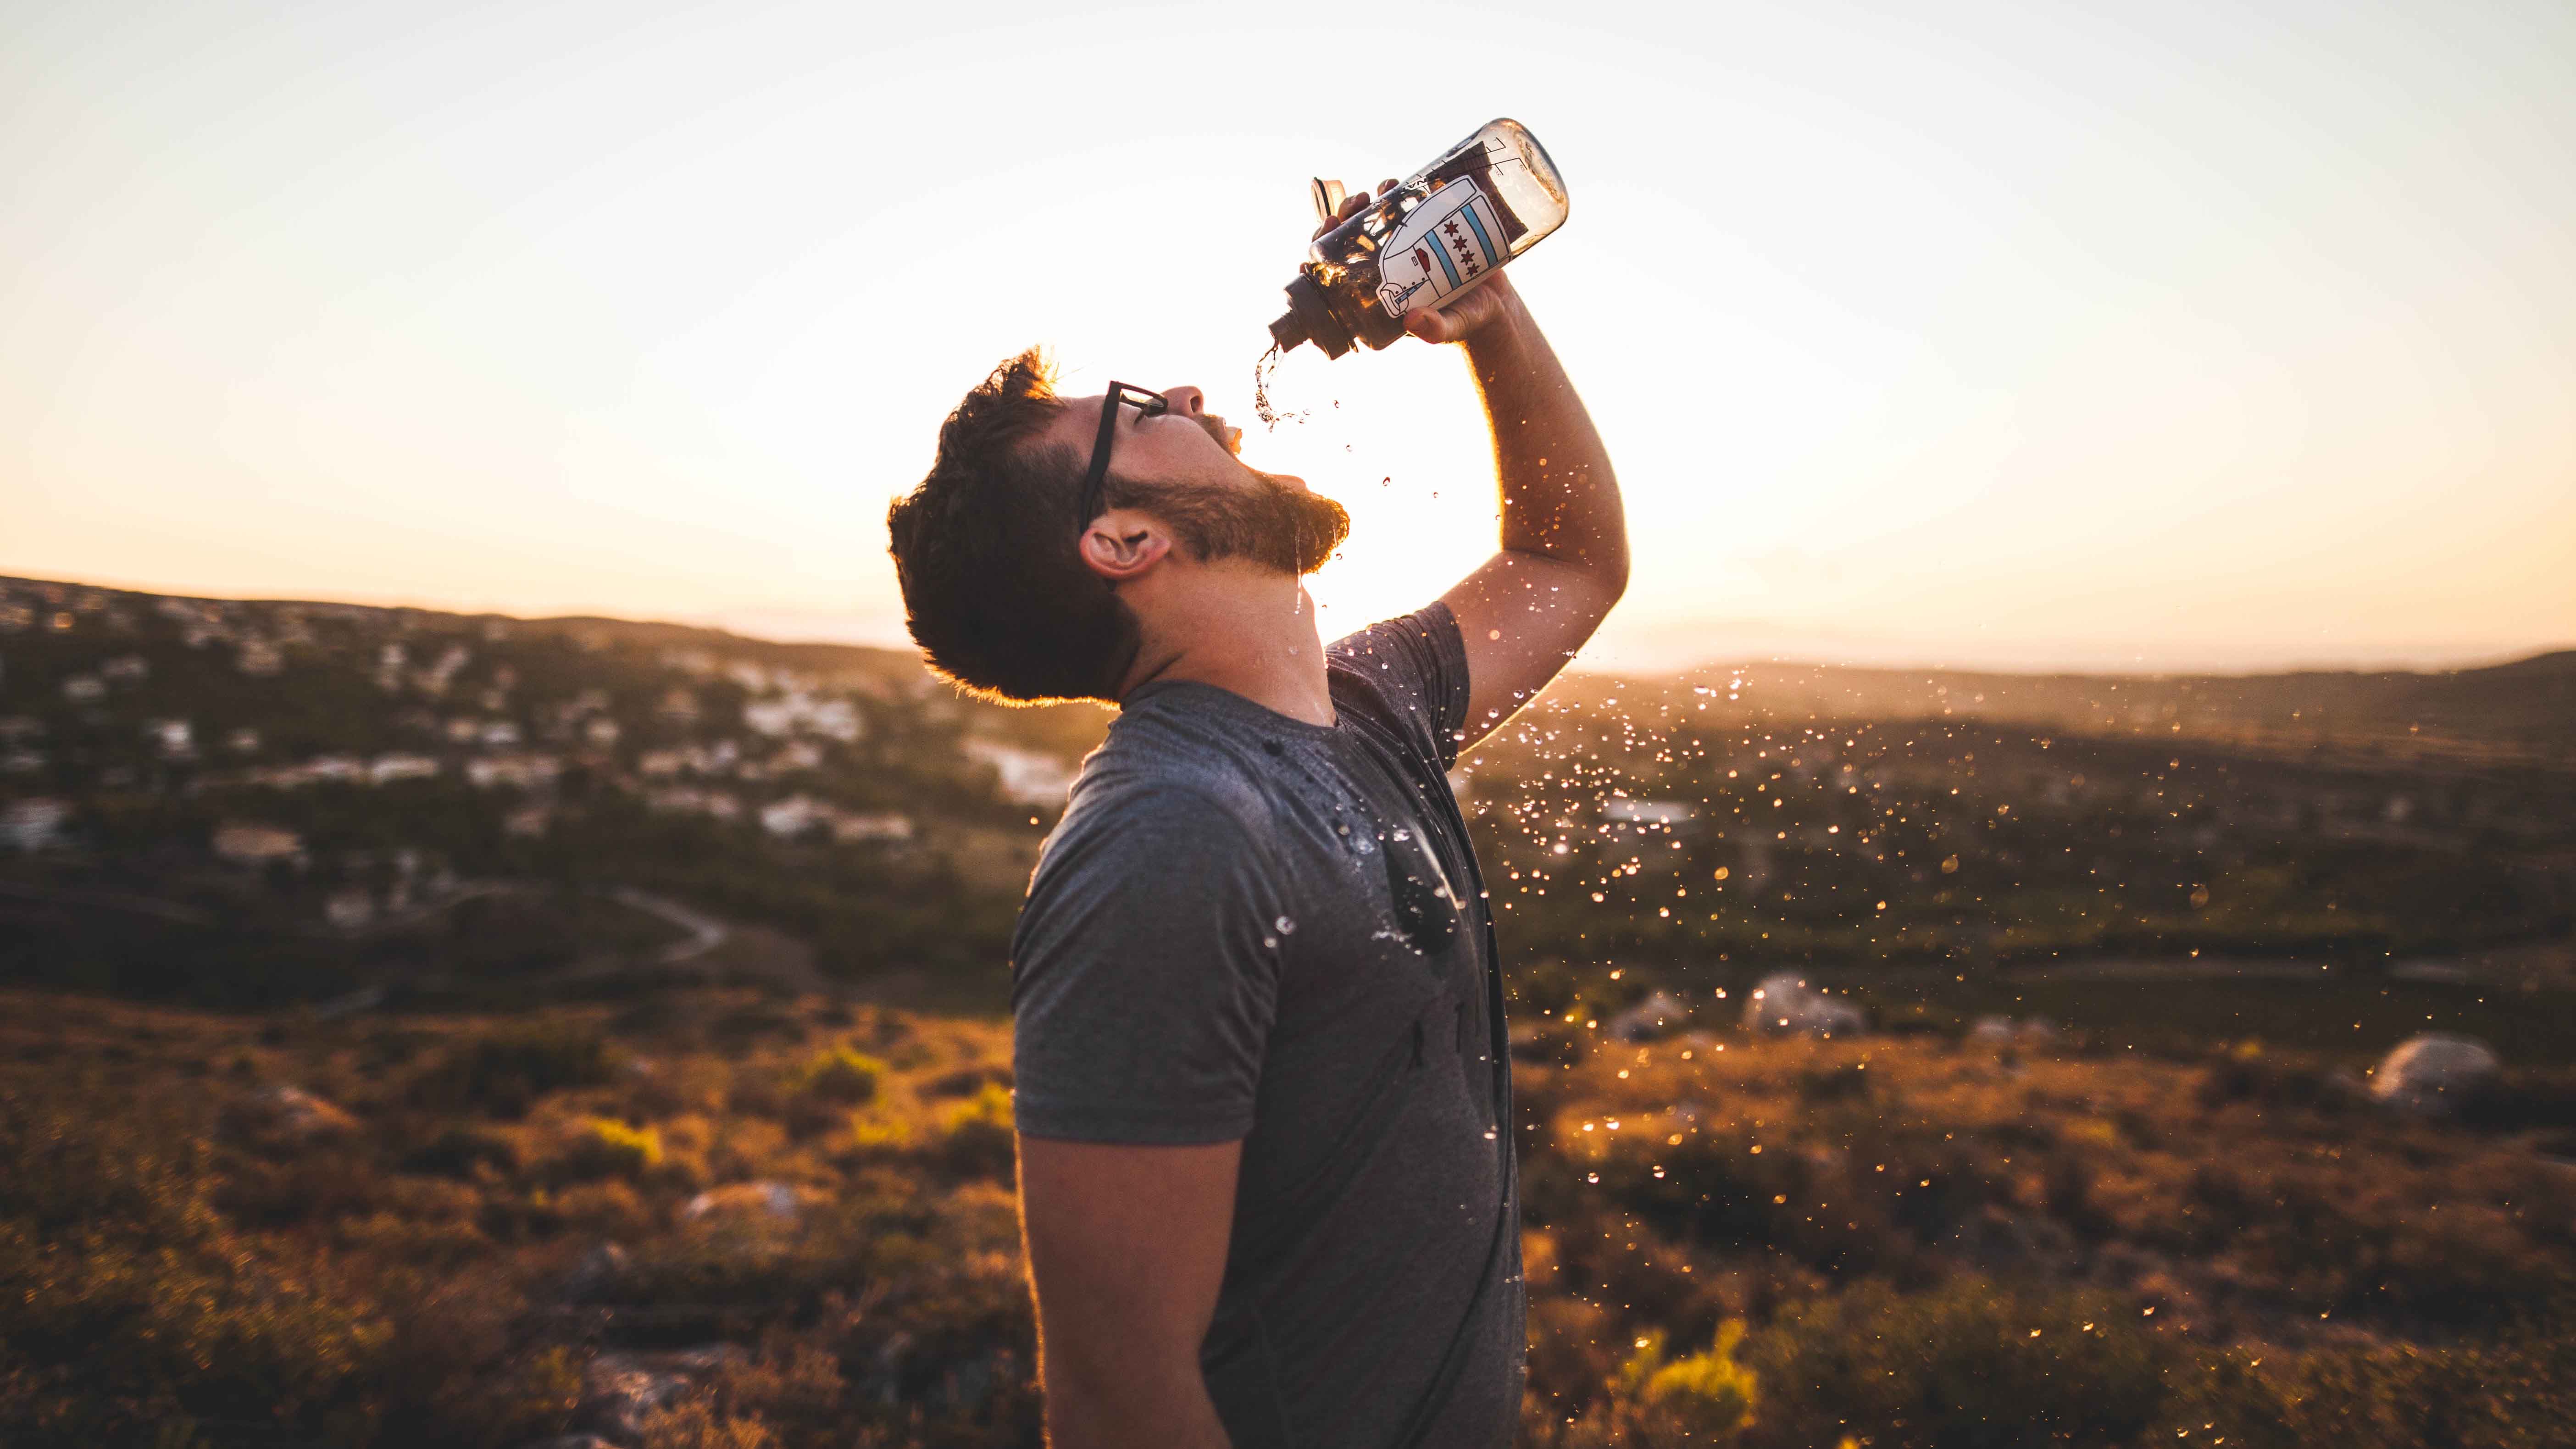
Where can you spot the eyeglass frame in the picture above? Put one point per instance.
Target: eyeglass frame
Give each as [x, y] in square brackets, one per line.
[1149, 404]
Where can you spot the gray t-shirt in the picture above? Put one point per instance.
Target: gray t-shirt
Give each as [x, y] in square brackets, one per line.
[1250, 927]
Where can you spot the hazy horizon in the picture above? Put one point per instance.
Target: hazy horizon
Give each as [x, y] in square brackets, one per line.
[1791, 649]
[2172, 339]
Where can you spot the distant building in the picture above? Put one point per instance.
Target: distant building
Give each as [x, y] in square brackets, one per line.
[500, 734]
[173, 738]
[601, 732]
[529, 821]
[1666, 813]
[792, 816]
[524, 771]
[803, 714]
[247, 843]
[259, 658]
[16, 618]
[884, 826]
[685, 800]
[82, 688]
[1027, 777]
[349, 910]
[125, 668]
[33, 823]
[384, 769]
[243, 741]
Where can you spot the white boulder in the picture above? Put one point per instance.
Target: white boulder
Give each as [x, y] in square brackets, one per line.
[1655, 1017]
[2431, 1074]
[1785, 1005]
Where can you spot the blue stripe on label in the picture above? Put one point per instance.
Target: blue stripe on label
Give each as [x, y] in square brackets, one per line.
[1440, 249]
[1493, 257]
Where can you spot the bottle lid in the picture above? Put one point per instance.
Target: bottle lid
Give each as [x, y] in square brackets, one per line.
[1309, 320]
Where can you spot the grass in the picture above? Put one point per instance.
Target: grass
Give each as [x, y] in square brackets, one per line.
[1898, 1240]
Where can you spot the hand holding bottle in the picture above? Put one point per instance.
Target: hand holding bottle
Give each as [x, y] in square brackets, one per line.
[1411, 255]
[1469, 314]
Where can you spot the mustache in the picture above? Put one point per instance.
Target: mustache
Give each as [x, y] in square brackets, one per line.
[1267, 521]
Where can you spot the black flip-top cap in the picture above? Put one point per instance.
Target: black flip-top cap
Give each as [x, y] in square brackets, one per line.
[1309, 320]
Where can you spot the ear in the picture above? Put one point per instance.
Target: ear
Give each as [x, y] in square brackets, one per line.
[1123, 544]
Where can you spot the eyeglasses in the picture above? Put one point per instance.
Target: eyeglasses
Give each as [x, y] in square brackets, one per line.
[1148, 404]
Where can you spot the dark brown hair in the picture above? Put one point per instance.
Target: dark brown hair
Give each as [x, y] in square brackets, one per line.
[994, 589]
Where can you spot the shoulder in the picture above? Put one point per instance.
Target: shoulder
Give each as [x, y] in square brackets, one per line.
[1408, 674]
[1159, 793]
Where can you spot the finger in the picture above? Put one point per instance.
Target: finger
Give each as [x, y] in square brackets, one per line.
[1386, 186]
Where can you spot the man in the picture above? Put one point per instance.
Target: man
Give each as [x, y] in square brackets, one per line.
[1264, 1105]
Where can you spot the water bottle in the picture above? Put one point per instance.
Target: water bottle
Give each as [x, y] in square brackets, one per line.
[1437, 235]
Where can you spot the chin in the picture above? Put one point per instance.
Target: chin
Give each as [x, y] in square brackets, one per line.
[1287, 480]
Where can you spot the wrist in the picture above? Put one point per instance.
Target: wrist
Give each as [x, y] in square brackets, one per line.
[1506, 325]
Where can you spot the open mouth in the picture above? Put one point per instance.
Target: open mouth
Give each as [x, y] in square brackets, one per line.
[1230, 439]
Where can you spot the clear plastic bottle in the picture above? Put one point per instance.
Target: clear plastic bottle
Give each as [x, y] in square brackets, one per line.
[1439, 233]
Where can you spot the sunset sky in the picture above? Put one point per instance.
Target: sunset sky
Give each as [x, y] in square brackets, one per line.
[2153, 336]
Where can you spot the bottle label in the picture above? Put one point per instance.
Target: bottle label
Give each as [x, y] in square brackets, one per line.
[1447, 245]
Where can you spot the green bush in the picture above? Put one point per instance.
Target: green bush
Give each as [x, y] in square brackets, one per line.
[606, 1147]
[841, 1075]
[976, 1134]
[1705, 1395]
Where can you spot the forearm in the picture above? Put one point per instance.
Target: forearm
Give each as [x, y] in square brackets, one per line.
[1560, 498]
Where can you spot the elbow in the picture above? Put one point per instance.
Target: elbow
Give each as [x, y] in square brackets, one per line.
[1610, 576]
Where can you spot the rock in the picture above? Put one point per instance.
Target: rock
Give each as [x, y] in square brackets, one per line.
[1648, 1020]
[772, 1202]
[283, 1116]
[597, 1274]
[1785, 1005]
[2430, 1075]
[619, 1390]
[2003, 1031]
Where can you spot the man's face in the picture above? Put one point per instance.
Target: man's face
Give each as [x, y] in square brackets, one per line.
[1181, 466]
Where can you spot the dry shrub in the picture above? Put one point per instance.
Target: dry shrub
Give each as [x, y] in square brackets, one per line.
[464, 1153]
[503, 1074]
[1967, 1364]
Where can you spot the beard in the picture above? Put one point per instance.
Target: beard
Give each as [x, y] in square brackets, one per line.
[1267, 522]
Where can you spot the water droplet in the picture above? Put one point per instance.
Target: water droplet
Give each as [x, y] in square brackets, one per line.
[1286, 926]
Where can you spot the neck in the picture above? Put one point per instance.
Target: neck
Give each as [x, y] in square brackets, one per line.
[1244, 630]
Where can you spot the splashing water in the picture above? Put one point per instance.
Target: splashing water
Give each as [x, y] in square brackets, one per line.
[1262, 372]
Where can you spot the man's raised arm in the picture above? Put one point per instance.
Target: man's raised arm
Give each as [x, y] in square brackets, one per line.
[1126, 1250]
[1564, 556]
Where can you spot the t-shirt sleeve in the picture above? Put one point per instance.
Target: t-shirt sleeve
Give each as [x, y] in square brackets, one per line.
[1417, 664]
[1144, 973]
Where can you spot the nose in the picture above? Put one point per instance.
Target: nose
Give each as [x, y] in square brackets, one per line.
[1187, 401]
